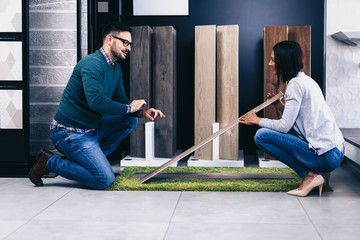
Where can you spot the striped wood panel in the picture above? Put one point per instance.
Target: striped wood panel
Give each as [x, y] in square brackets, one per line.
[140, 83]
[302, 35]
[272, 35]
[164, 89]
[228, 88]
[205, 74]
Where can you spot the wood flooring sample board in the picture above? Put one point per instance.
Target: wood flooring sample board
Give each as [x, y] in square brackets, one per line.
[205, 77]
[302, 35]
[272, 35]
[164, 89]
[228, 88]
[140, 83]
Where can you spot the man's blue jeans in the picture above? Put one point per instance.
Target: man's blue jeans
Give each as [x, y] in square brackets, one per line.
[295, 152]
[85, 153]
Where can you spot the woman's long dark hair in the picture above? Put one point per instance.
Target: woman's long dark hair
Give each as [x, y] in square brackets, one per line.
[288, 60]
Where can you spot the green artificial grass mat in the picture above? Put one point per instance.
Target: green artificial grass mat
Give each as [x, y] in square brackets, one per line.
[125, 180]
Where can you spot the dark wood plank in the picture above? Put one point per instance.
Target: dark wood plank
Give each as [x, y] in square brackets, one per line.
[164, 89]
[140, 83]
[272, 35]
[302, 35]
[205, 77]
[228, 88]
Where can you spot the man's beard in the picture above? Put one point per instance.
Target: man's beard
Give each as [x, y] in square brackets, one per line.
[116, 55]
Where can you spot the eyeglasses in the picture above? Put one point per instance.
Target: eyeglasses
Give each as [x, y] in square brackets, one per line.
[125, 42]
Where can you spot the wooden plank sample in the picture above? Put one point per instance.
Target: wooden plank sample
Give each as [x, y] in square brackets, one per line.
[205, 75]
[218, 175]
[228, 88]
[302, 35]
[208, 139]
[272, 35]
[164, 89]
[140, 83]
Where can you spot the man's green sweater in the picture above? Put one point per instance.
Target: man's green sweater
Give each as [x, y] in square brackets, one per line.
[94, 88]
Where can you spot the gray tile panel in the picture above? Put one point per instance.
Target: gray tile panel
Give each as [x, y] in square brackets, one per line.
[44, 75]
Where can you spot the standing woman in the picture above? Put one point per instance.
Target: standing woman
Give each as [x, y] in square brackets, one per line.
[306, 137]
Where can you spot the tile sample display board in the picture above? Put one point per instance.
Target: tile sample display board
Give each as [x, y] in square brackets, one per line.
[140, 83]
[228, 88]
[273, 35]
[14, 85]
[164, 89]
[205, 84]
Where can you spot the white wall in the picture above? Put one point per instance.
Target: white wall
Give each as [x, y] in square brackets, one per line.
[343, 63]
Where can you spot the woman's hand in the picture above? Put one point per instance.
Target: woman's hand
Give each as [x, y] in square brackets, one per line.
[250, 119]
[151, 113]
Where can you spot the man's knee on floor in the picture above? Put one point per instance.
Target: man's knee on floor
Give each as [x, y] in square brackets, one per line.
[104, 180]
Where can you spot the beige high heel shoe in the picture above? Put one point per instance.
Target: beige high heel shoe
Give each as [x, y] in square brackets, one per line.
[318, 181]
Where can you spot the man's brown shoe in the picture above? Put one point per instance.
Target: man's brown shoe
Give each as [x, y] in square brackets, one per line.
[39, 168]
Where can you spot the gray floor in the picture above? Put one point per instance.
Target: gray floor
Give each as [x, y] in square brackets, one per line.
[64, 210]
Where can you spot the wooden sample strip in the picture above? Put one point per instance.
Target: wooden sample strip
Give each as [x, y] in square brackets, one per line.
[228, 88]
[164, 89]
[219, 175]
[208, 139]
[140, 83]
[205, 75]
[272, 35]
[302, 35]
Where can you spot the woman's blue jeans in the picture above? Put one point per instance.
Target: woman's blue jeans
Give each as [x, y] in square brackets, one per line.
[296, 153]
[85, 153]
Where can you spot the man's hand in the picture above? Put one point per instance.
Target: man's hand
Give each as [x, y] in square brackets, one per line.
[250, 119]
[152, 113]
[137, 104]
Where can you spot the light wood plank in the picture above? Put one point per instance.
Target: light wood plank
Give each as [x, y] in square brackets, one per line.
[205, 74]
[164, 89]
[208, 139]
[228, 88]
[140, 75]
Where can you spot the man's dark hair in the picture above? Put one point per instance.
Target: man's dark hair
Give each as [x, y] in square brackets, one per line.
[114, 28]
[288, 60]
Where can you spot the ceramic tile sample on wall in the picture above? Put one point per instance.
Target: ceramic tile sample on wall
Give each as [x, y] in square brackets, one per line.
[10, 16]
[11, 61]
[11, 109]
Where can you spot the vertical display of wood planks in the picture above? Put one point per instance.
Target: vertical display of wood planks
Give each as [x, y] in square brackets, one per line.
[205, 76]
[273, 35]
[228, 88]
[140, 83]
[164, 89]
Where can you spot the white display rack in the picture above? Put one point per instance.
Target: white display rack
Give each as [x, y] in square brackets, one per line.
[265, 163]
[150, 160]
